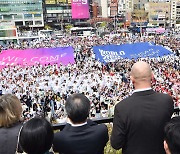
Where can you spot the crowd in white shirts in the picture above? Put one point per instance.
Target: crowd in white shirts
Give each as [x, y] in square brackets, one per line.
[44, 89]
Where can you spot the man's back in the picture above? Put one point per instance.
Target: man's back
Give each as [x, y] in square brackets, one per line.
[139, 123]
[87, 139]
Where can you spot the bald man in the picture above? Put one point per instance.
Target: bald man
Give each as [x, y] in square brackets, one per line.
[139, 119]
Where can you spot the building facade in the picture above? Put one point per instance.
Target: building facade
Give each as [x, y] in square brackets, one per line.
[158, 13]
[100, 8]
[57, 12]
[113, 8]
[28, 13]
[139, 4]
[175, 13]
[125, 7]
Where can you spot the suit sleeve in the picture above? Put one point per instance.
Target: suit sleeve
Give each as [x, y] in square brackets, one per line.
[106, 136]
[118, 136]
[171, 106]
[55, 144]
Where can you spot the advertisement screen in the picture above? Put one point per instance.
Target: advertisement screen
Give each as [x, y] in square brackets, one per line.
[80, 9]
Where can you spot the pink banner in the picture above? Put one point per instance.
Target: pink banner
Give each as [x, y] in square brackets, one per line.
[42, 56]
[80, 9]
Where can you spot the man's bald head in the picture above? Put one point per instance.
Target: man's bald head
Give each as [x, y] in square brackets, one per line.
[141, 71]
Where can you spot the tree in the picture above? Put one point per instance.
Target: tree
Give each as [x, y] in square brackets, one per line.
[139, 16]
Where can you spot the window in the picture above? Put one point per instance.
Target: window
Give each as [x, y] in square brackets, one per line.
[38, 22]
[17, 16]
[61, 1]
[19, 23]
[49, 15]
[7, 17]
[50, 1]
[37, 15]
[27, 23]
[53, 15]
[28, 16]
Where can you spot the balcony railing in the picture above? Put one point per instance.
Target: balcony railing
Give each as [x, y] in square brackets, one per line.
[60, 126]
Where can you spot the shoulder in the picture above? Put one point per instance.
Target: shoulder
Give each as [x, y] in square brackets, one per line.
[102, 128]
[14, 129]
[124, 102]
[63, 132]
[164, 96]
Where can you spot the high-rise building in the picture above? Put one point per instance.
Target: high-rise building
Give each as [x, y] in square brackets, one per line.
[139, 4]
[100, 8]
[113, 8]
[175, 13]
[125, 7]
[57, 12]
[158, 13]
[27, 13]
[104, 6]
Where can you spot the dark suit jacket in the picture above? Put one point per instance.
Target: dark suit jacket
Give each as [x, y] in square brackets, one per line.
[139, 122]
[8, 139]
[88, 139]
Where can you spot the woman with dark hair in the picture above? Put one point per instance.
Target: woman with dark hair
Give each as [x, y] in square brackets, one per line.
[10, 114]
[36, 136]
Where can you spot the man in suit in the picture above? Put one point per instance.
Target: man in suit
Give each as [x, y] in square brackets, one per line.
[80, 136]
[139, 119]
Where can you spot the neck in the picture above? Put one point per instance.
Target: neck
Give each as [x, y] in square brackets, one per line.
[142, 86]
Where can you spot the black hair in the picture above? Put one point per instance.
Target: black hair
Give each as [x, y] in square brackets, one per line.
[172, 135]
[36, 136]
[77, 107]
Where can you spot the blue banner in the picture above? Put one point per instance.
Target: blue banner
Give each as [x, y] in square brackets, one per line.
[111, 53]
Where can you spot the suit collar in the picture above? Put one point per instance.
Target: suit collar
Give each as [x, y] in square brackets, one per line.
[79, 128]
[142, 93]
[78, 125]
[144, 89]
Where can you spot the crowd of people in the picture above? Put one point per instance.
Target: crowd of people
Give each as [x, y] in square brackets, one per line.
[44, 89]
[142, 124]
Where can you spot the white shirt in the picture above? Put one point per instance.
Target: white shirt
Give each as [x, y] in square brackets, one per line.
[77, 125]
[144, 89]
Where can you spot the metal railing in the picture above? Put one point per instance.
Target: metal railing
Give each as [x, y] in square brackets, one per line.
[60, 126]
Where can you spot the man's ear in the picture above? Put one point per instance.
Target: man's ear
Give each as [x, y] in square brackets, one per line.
[166, 148]
[152, 76]
[132, 79]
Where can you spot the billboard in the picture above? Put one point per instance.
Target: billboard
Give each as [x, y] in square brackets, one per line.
[80, 9]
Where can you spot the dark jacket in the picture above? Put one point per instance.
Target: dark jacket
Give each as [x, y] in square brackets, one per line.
[8, 139]
[88, 139]
[139, 122]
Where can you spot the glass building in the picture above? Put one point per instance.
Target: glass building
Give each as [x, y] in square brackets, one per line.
[27, 13]
[58, 13]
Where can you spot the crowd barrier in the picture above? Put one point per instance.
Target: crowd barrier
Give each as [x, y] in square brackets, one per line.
[60, 126]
